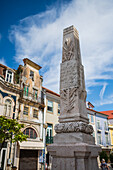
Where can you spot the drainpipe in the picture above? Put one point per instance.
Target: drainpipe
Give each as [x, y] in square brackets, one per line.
[45, 127]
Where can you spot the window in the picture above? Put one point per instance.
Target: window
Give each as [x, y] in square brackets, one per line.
[105, 126]
[58, 108]
[92, 120]
[99, 138]
[106, 136]
[7, 107]
[30, 132]
[9, 76]
[26, 110]
[35, 113]
[32, 75]
[88, 117]
[35, 94]
[26, 90]
[50, 106]
[98, 124]
[49, 130]
[0, 100]
[49, 137]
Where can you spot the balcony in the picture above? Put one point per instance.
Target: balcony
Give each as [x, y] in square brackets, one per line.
[32, 97]
[49, 139]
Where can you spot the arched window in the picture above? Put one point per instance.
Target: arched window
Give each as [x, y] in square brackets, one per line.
[1, 98]
[7, 107]
[30, 132]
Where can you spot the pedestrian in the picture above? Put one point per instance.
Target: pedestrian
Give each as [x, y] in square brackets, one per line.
[104, 165]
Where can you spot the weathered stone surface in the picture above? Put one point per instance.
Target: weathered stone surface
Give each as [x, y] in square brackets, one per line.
[72, 84]
[73, 138]
[80, 156]
[73, 127]
[73, 147]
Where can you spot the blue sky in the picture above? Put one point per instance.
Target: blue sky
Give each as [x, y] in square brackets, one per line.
[33, 29]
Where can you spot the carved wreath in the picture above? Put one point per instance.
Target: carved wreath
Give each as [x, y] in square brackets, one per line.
[68, 50]
[73, 127]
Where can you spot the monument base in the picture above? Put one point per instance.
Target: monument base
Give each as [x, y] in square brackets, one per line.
[67, 138]
[79, 156]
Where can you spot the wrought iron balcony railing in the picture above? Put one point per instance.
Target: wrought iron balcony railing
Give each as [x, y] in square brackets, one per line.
[49, 139]
[32, 97]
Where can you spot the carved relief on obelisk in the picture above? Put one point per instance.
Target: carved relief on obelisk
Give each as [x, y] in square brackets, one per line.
[72, 84]
[68, 50]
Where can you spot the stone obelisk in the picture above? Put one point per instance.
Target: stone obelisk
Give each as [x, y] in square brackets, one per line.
[73, 147]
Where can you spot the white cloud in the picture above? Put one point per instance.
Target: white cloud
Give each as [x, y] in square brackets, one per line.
[39, 38]
[2, 61]
[102, 91]
[106, 101]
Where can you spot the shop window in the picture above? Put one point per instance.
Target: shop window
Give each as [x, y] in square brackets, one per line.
[26, 110]
[32, 75]
[50, 106]
[35, 113]
[30, 132]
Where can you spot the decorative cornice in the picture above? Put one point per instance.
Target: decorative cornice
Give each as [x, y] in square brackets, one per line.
[9, 87]
[73, 127]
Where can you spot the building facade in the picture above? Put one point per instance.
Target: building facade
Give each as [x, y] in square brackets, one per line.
[99, 121]
[23, 100]
[9, 96]
[31, 113]
[110, 123]
[52, 112]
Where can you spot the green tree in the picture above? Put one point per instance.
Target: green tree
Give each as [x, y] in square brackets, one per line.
[10, 129]
[103, 155]
[111, 159]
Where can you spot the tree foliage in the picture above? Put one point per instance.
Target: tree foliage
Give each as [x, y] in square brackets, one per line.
[103, 155]
[111, 159]
[10, 129]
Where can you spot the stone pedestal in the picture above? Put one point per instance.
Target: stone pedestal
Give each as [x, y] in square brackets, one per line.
[79, 156]
[73, 147]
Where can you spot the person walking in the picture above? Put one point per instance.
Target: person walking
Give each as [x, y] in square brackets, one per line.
[104, 165]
